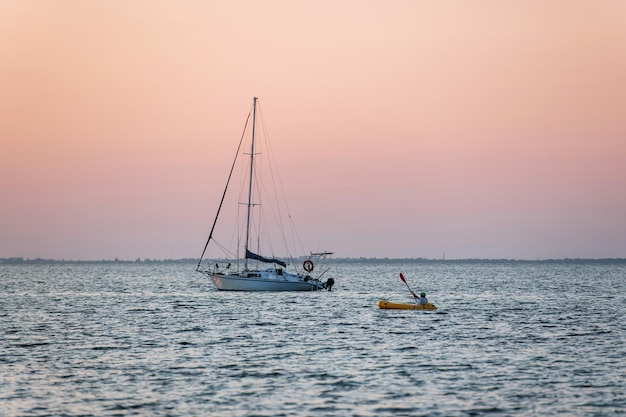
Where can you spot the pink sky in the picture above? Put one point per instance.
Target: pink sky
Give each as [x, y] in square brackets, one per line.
[480, 129]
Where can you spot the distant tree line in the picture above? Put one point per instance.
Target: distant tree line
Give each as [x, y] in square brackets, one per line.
[29, 261]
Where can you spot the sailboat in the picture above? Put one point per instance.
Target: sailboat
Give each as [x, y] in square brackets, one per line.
[240, 265]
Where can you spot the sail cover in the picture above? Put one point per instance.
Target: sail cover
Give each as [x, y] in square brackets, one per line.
[250, 255]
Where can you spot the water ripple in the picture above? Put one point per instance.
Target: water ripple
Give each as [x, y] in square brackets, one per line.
[508, 339]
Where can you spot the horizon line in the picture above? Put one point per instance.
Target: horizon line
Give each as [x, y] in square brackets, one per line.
[17, 259]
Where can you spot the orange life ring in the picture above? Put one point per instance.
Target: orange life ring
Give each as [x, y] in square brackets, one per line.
[308, 265]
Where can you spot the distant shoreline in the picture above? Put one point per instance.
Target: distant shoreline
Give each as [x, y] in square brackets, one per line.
[138, 261]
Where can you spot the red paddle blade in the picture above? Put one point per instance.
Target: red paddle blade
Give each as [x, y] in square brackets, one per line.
[402, 278]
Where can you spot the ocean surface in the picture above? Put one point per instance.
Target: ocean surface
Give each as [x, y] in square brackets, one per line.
[508, 339]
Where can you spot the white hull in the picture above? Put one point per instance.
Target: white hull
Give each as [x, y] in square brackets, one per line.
[264, 281]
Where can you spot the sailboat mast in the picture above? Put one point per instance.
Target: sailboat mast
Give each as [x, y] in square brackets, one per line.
[250, 185]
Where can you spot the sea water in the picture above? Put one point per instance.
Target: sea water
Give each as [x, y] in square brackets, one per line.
[157, 339]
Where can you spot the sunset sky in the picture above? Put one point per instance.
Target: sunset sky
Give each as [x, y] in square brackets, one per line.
[482, 129]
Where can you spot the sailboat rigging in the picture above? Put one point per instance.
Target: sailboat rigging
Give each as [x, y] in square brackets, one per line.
[240, 265]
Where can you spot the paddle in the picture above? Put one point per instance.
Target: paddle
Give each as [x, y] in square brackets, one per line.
[407, 285]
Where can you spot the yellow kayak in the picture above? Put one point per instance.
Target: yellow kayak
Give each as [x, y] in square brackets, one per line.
[397, 306]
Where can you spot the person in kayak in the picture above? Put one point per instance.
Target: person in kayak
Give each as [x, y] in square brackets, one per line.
[422, 299]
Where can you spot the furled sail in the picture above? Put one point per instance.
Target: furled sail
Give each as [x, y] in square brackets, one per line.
[250, 255]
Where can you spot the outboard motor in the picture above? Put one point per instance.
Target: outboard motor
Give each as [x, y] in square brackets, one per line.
[329, 284]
